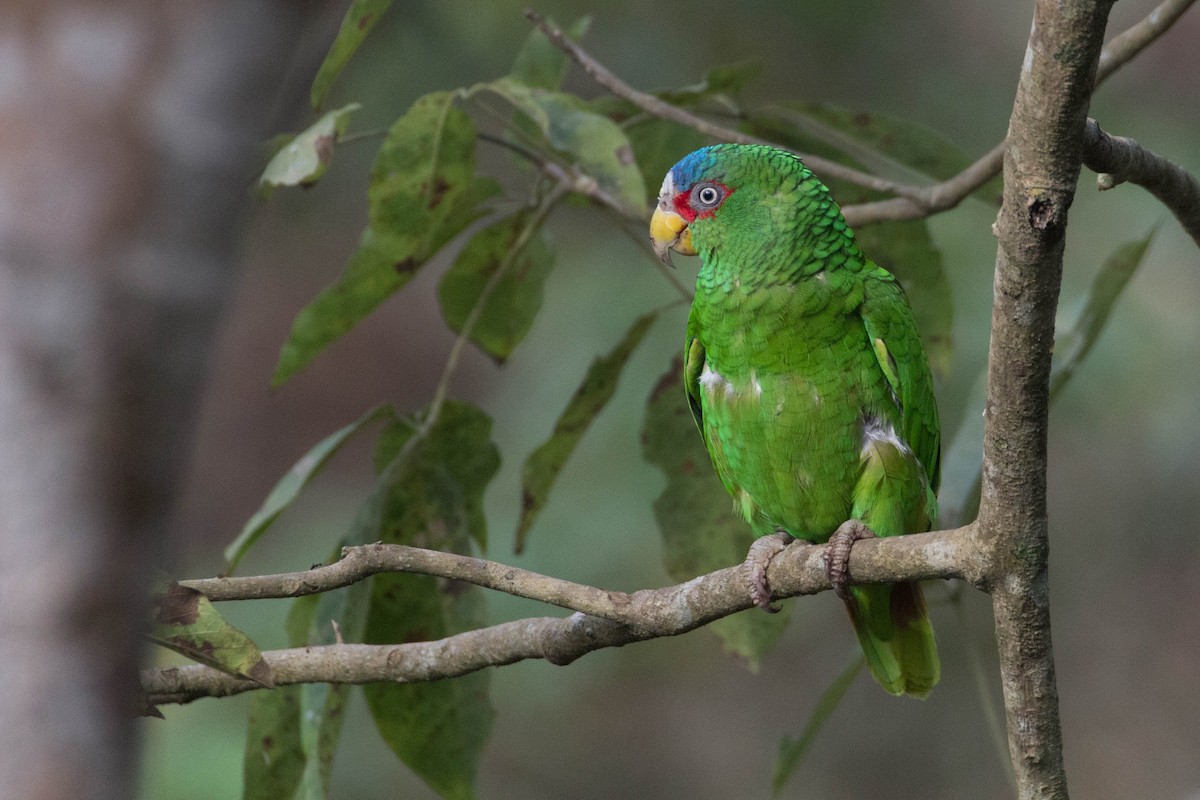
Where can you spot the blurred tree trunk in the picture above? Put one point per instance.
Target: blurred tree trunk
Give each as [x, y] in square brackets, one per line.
[127, 136]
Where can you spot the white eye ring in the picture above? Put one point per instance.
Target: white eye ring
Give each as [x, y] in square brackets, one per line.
[708, 195]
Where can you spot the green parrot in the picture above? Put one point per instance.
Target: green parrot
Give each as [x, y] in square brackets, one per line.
[807, 379]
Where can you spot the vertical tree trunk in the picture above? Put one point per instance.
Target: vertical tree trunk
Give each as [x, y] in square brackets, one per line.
[127, 130]
[1041, 167]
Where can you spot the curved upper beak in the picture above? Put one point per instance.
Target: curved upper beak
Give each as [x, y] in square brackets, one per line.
[669, 231]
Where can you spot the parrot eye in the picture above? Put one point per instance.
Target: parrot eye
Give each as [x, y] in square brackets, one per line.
[707, 195]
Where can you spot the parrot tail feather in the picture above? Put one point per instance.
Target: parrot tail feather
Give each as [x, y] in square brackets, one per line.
[892, 623]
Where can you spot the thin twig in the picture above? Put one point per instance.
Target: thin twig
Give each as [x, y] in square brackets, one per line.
[664, 110]
[1127, 44]
[620, 618]
[1119, 160]
[911, 202]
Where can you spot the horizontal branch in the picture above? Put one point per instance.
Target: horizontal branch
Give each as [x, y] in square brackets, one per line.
[1120, 160]
[602, 618]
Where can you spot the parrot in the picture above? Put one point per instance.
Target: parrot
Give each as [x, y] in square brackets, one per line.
[807, 379]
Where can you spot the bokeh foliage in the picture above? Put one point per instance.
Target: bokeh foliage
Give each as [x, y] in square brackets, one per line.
[426, 197]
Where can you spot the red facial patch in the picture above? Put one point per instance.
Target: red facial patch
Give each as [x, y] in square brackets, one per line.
[684, 208]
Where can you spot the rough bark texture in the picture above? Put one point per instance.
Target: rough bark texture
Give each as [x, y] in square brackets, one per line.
[602, 618]
[1041, 167]
[124, 152]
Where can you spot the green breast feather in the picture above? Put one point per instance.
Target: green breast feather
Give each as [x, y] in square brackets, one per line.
[806, 376]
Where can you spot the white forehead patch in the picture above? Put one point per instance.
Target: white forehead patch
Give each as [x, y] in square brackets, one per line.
[667, 193]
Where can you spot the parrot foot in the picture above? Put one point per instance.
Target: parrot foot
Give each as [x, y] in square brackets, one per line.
[837, 555]
[757, 560]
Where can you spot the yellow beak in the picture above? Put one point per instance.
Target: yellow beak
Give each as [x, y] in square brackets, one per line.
[669, 231]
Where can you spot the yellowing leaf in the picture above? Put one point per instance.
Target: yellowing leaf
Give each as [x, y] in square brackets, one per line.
[423, 191]
[185, 621]
[593, 142]
[306, 156]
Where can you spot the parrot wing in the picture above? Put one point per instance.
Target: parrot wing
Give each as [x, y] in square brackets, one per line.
[897, 345]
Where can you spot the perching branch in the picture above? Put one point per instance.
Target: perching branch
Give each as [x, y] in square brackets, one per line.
[1119, 160]
[602, 618]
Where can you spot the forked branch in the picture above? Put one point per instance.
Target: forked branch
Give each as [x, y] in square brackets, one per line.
[602, 619]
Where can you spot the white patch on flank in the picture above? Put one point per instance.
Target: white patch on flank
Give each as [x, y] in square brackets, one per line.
[876, 431]
[711, 379]
[755, 384]
[816, 396]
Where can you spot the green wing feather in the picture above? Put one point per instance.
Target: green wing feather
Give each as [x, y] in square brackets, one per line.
[897, 344]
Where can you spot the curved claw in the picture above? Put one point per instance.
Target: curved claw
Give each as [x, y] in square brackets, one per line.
[837, 555]
[756, 563]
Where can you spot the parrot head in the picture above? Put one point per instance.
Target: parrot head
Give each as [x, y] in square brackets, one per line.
[722, 192]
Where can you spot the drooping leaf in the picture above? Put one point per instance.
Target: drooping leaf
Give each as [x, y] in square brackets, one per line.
[460, 443]
[306, 156]
[274, 760]
[695, 516]
[360, 18]
[1073, 346]
[185, 621]
[905, 248]
[905, 142]
[593, 142]
[437, 728]
[422, 192]
[289, 486]
[793, 750]
[509, 311]
[539, 63]
[599, 384]
[959, 495]
[293, 732]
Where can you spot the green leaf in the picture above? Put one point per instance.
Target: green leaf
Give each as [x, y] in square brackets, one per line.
[657, 145]
[722, 83]
[539, 63]
[289, 486]
[508, 314]
[323, 620]
[437, 728]
[1073, 346]
[423, 192]
[695, 515]
[360, 18]
[961, 486]
[905, 248]
[793, 750]
[593, 142]
[460, 443]
[599, 384]
[304, 159]
[185, 621]
[274, 759]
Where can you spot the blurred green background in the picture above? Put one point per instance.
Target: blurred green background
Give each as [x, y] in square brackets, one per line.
[678, 718]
